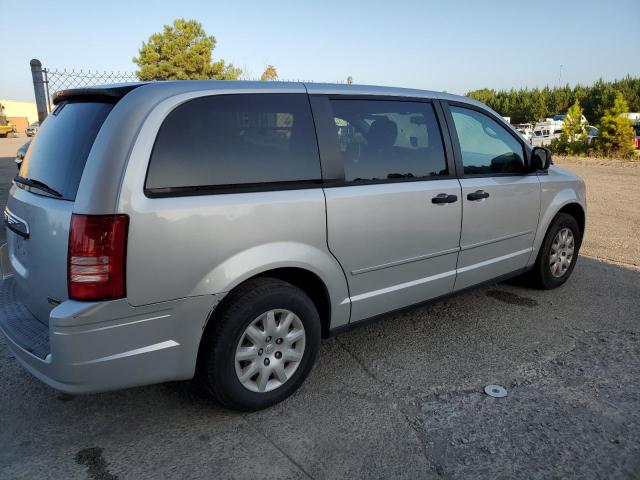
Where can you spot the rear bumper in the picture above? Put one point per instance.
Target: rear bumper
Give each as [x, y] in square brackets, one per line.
[100, 346]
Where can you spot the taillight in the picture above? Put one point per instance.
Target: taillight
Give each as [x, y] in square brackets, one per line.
[97, 255]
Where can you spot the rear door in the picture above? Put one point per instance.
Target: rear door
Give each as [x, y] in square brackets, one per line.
[500, 198]
[39, 208]
[393, 202]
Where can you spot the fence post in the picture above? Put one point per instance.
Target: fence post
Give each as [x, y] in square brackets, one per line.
[39, 89]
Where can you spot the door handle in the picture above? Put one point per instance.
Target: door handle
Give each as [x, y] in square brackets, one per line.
[442, 198]
[478, 195]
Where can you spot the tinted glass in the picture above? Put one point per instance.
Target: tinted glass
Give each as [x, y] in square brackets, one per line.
[59, 152]
[386, 140]
[487, 147]
[235, 139]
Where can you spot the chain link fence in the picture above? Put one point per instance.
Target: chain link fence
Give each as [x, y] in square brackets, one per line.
[64, 79]
[47, 81]
[56, 80]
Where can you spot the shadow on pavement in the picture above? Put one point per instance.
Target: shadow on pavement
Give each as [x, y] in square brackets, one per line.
[400, 398]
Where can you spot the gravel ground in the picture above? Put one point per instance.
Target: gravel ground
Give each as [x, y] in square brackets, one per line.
[613, 223]
[396, 399]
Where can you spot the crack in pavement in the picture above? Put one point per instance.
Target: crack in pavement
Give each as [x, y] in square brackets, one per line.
[404, 406]
[277, 447]
[361, 363]
[563, 413]
[419, 432]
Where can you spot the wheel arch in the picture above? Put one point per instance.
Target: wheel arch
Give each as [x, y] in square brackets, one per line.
[311, 284]
[306, 280]
[576, 211]
[566, 200]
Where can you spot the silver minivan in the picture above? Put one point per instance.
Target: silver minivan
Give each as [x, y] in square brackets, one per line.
[218, 230]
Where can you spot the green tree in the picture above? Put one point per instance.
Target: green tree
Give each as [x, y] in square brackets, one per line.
[573, 139]
[616, 131]
[270, 73]
[599, 99]
[182, 51]
[531, 105]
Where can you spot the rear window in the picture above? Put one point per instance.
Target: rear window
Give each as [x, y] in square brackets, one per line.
[229, 141]
[59, 152]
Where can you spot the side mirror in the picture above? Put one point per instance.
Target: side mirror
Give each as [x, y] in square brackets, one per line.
[540, 158]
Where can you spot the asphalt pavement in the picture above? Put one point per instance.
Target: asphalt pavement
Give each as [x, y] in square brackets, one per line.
[401, 398]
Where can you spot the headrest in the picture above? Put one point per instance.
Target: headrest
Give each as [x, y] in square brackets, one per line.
[382, 133]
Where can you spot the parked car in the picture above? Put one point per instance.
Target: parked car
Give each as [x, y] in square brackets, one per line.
[222, 228]
[592, 135]
[22, 151]
[32, 129]
[636, 141]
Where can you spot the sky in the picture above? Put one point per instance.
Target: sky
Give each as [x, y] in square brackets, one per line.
[447, 45]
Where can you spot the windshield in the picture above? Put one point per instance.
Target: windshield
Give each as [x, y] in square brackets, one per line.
[58, 154]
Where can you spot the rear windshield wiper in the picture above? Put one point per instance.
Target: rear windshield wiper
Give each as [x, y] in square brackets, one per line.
[37, 184]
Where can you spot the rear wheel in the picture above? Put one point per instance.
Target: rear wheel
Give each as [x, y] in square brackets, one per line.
[558, 253]
[262, 345]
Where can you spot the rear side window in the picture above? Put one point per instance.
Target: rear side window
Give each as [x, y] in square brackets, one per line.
[59, 152]
[223, 141]
[487, 147]
[388, 140]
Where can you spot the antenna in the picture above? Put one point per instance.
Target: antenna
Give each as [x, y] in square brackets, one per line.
[560, 77]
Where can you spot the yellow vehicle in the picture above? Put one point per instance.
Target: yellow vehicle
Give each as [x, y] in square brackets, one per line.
[6, 127]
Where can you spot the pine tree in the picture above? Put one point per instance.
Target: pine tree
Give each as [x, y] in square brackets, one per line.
[182, 51]
[573, 140]
[616, 131]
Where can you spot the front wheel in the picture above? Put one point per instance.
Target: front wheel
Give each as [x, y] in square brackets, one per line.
[262, 345]
[558, 253]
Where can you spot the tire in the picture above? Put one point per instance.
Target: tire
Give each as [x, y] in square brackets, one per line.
[219, 368]
[544, 274]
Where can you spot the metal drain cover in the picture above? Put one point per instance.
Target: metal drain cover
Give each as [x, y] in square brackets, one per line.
[497, 391]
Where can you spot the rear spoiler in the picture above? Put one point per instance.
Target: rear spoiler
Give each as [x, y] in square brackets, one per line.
[108, 93]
